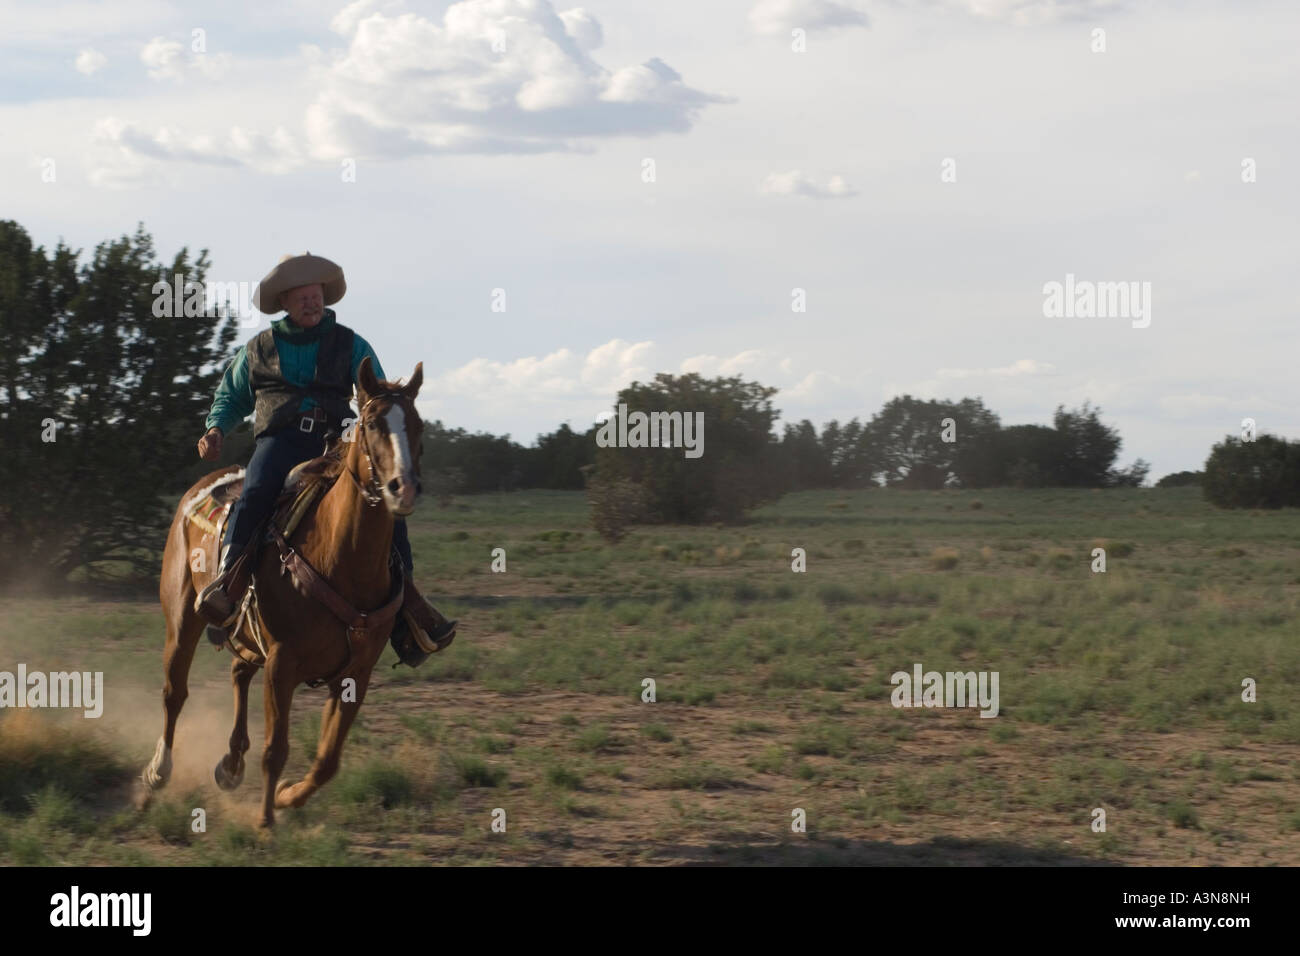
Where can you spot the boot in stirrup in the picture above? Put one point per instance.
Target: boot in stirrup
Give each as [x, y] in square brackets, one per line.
[214, 603]
[420, 630]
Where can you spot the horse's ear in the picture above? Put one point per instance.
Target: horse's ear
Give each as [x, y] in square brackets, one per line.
[412, 388]
[367, 384]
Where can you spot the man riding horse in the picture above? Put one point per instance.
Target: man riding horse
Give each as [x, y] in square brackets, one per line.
[296, 379]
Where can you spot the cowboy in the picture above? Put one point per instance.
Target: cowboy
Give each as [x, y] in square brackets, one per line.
[296, 379]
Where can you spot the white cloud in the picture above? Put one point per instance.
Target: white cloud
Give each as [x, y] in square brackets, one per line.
[123, 154]
[795, 183]
[779, 17]
[711, 366]
[568, 379]
[493, 76]
[583, 27]
[410, 85]
[346, 20]
[89, 60]
[561, 375]
[165, 59]
[162, 59]
[616, 363]
[815, 387]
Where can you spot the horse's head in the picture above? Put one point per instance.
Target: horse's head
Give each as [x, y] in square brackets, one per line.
[388, 432]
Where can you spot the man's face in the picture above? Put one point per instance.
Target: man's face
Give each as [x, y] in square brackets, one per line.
[305, 305]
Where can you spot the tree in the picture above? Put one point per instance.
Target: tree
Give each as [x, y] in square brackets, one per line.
[1180, 479]
[485, 462]
[854, 459]
[907, 437]
[558, 458]
[740, 465]
[1090, 447]
[1033, 456]
[100, 405]
[807, 463]
[1264, 473]
[906, 442]
[976, 463]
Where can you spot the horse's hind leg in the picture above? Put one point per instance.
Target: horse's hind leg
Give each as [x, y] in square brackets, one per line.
[334, 725]
[183, 630]
[229, 772]
[177, 657]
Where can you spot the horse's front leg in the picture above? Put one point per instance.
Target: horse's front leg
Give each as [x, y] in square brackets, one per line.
[334, 725]
[278, 694]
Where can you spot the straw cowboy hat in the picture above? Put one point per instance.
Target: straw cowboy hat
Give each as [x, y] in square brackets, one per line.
[293, 271]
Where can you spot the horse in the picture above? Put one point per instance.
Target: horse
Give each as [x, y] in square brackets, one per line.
[302, 632]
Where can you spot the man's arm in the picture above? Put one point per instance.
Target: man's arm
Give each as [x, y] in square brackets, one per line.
[360, 349]
[233, 401]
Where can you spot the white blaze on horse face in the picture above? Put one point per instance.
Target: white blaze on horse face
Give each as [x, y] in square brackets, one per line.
[402, 463]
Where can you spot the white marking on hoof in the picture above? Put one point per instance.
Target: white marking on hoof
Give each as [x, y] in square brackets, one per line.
[160, 767]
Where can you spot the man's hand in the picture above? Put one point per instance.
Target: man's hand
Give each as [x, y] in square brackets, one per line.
[210, 444]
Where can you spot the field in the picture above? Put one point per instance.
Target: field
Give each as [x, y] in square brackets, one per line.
[1119, 690]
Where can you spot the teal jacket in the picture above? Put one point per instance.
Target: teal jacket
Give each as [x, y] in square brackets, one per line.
[297, 350]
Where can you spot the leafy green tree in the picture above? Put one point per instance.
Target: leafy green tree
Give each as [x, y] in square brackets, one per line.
[740, 466]
[854, 458]
[100, 405]
[1180, 479]
[806, 461]
[1089, 449]
[1033, 456]
[1264, 473]
[558, 457]
[906, 443]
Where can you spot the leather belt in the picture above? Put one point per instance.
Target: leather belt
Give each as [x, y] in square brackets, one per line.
[308, 421]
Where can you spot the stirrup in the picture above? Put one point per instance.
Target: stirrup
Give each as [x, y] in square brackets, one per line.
[216, 584]
[413, 645]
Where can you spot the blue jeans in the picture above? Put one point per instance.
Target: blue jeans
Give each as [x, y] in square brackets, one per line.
[274, 456]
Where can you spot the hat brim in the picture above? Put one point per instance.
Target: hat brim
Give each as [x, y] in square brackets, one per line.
[298, 271]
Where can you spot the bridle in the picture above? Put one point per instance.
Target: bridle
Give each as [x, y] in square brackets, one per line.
[370, 491]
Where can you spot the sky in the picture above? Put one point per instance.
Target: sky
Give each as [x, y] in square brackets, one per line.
[656, 187]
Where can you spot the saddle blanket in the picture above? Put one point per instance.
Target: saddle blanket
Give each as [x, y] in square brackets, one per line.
[303, 487]
[209, 508]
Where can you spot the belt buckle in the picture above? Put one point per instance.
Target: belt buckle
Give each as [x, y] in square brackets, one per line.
[306, 424]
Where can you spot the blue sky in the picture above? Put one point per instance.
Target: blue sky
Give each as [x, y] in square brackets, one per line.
[520, 166]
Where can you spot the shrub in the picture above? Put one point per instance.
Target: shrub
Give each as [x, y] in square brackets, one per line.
[943, 559]
[616, 505]
[1264, 473]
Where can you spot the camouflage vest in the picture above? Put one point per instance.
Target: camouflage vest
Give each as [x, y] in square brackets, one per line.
[276, 401]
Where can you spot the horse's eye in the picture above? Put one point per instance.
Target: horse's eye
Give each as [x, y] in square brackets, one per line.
[372, 425]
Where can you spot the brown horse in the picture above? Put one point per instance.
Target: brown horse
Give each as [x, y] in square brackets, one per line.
[347, 539]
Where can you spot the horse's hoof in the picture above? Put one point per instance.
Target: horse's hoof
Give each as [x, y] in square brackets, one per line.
[141, 795]
[281, 801]
[224, 779]
[155, 775]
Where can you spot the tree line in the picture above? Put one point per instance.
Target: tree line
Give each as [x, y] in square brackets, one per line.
[101, 403]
